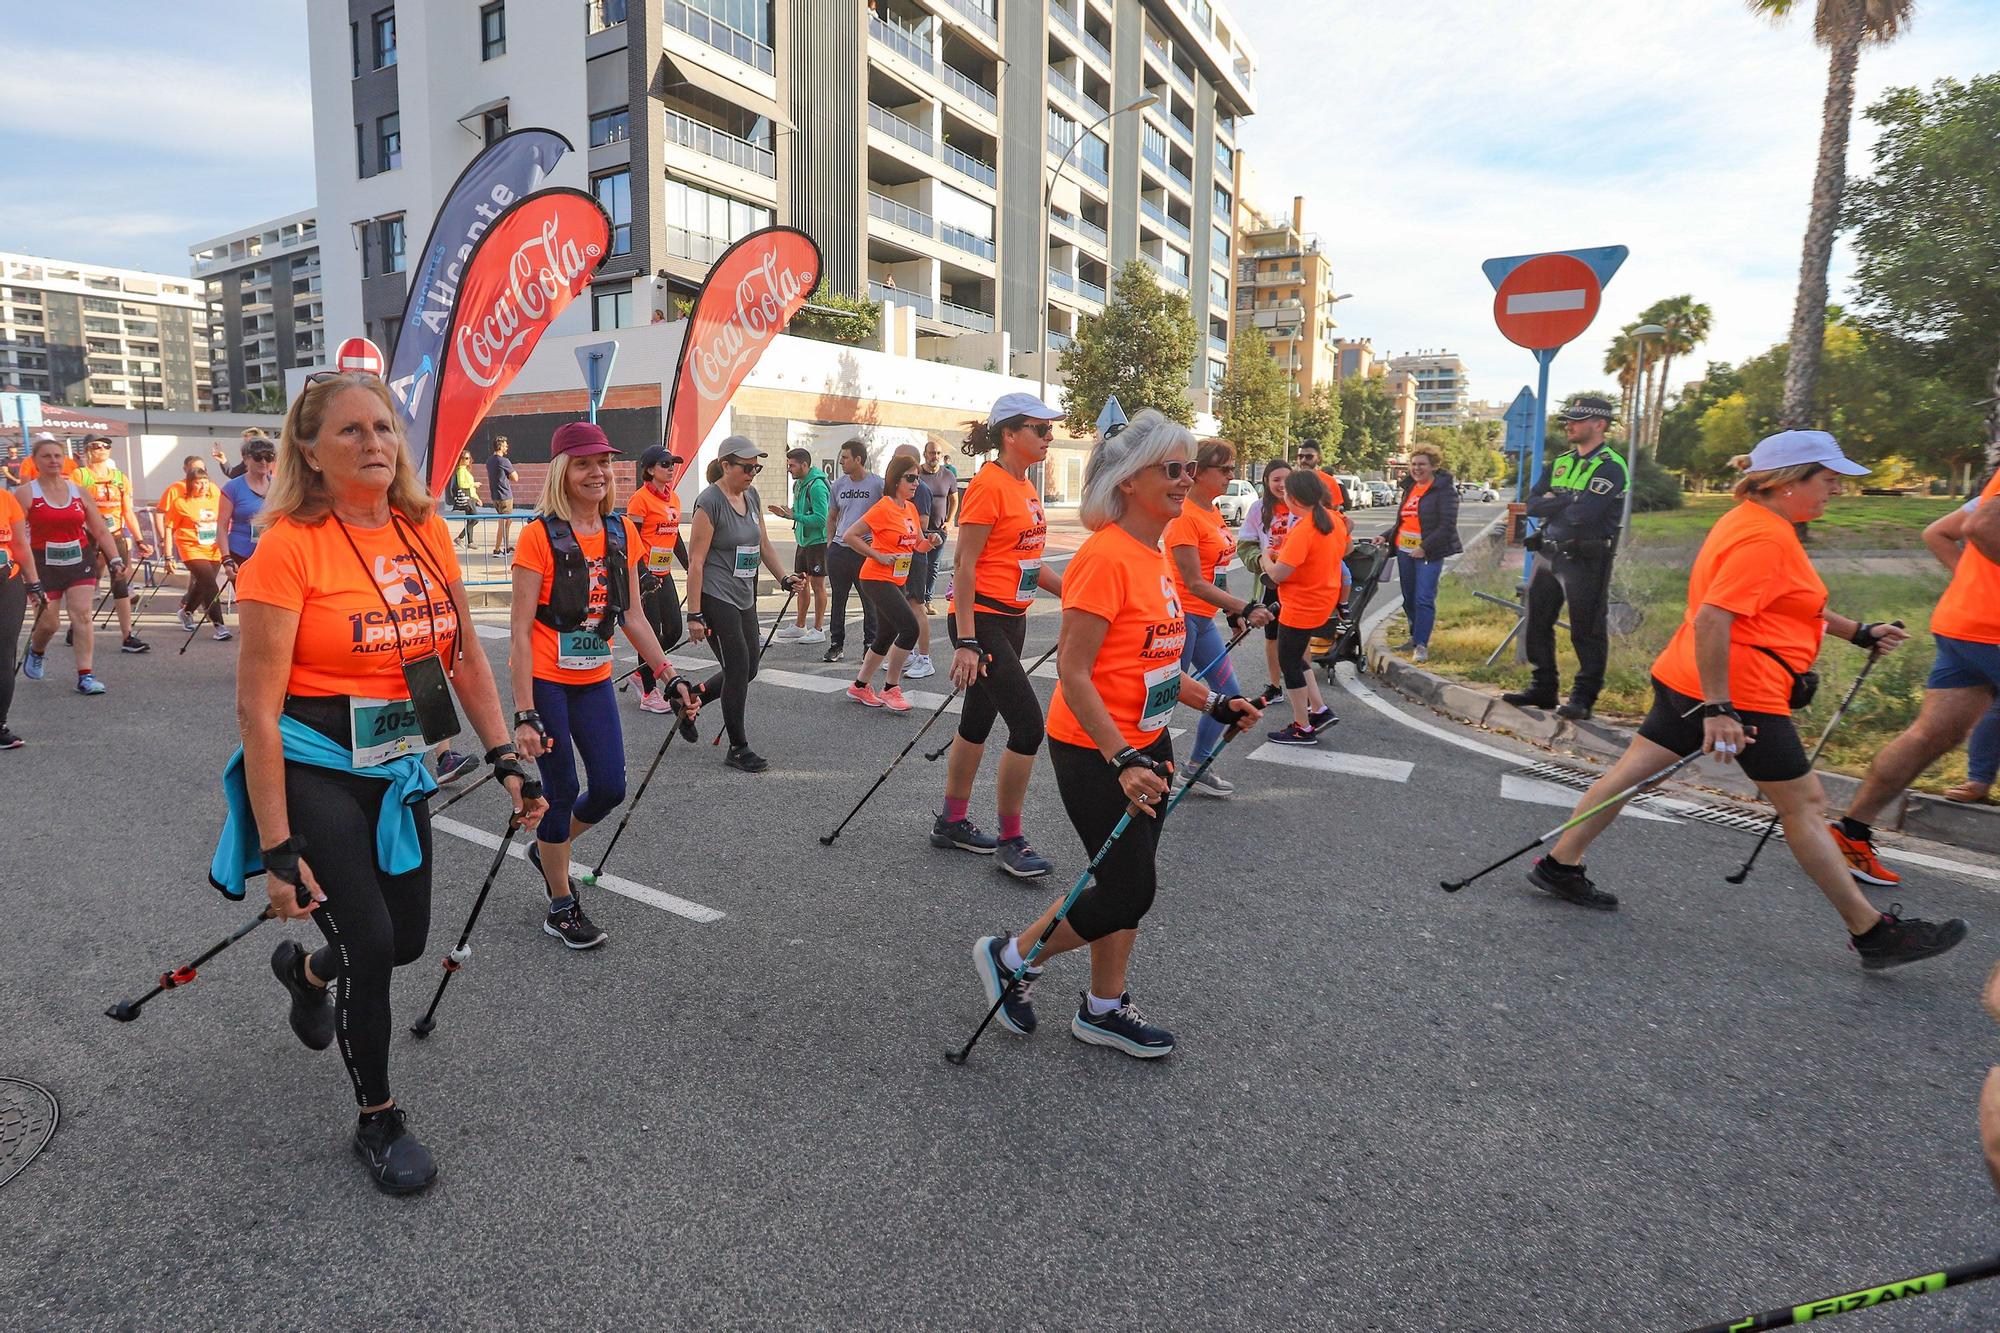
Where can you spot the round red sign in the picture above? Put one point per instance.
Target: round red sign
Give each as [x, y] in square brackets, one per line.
[1547, 301]
[358, 356]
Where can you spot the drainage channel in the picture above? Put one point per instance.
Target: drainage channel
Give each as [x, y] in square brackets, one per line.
[1680, 807]
[28, 1117]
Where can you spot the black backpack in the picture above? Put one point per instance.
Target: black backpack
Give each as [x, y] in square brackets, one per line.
[569, 591]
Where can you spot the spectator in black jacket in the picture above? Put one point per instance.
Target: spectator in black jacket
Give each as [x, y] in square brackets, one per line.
[1425, 531]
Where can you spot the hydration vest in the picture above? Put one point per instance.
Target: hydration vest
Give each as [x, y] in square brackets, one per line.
[569, 589]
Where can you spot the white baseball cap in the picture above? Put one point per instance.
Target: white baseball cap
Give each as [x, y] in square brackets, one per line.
[1022, 405]
[1790, 448]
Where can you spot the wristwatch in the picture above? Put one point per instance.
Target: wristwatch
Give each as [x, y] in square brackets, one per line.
[1723, 709]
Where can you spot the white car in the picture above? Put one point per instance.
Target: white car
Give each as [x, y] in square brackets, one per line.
[1473, 490]
[1235, 502]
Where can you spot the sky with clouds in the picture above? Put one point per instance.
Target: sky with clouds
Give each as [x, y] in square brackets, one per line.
[1424, 140]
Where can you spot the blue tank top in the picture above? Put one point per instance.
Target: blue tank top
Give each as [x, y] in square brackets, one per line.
[244, 505]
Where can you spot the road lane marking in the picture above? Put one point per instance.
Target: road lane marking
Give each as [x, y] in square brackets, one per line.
[1514, 787]
[1335, 761]
[624, 888]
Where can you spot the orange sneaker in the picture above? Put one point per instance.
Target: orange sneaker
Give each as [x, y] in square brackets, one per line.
[892, 698]
[1862, 862]
[861, 694]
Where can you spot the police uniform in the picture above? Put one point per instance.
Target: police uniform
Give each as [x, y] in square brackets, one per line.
[1580, 501]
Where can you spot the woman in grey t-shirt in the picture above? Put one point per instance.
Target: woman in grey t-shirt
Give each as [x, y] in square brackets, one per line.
[726, 544]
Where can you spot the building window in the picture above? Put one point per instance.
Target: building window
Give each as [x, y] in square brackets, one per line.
[614, 195]
[1225, 159]
[383, 25]
[390, 231]
[389, 141]
[392, 326]
[1218, 243]
[611, 310]
[1218, 289]
[361, 151]
[493, 30]
[496, 126]
[701, 224]
[354, 43]
[1217, 370]
[611, 127]
[1225, 204]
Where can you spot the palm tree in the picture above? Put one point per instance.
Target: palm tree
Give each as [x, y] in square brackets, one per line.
[1687, 322]
[1842, 26]
[1621, 358]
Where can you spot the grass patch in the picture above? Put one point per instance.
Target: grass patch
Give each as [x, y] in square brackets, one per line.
[1852, 522]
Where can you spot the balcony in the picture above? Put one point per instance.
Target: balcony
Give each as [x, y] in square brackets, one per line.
[695, 245]
[967, 165]
[713, 32]
[966, 88]
[1075, 27]
[981, 20]
[903, 42]
[916, 301]
[978, 321]
[1089, 290]
[966, 241]
[1059, 341]
[900, 215]
[720, 145]
[1175, 276]
[1062, 281]
[1220, 346]
[1181, 77]
[602, 14]
[1062, 83]
[1160, 216]
[1090, 231]
[1157, 49]
[896, 127]
[1094, 171]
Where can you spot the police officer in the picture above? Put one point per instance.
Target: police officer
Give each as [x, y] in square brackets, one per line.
[1579, 499]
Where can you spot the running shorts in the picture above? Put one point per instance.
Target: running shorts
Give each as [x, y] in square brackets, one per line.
[1777, 755]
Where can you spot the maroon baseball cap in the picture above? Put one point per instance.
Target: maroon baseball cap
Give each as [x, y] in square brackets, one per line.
[579, 439]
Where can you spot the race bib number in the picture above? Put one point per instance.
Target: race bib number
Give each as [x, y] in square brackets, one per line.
[383, 729]
[1411, 542]
[63, 553]
[901, 569]
[659, 560]
[6, 562]
[205, 533]
[581, 650]
[1031, 571]
[746, 561]
[1163, 691]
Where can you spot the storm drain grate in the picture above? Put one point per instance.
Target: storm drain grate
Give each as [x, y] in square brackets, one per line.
[28, 1116]
[1678, 806]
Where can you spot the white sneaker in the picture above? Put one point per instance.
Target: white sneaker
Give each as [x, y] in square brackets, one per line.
[813, 636]
[789, 634]
[919, 666]
[187, 620]
[222, 633]
[652, 701]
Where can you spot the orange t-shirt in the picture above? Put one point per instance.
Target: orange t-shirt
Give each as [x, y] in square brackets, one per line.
[1118, 578]
[893, 529]
[193, 521]
[347, 642]
[1409, 530]
[10, 514]
[588, 657]
[1306, 600]
[1970, 607]
[1753, 565]
[1011, 560]
[1336, 494]
[1204, 530]
[658, 519]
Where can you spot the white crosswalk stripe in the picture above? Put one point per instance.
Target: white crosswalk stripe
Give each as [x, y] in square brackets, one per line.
[1335, 761]
[1514, 787]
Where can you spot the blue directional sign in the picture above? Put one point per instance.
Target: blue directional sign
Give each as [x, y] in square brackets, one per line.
[1520, 419]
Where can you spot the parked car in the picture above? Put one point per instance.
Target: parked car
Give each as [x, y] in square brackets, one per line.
[1356, 489]
[1380, 492]
[1477, 490]
[1234, 502]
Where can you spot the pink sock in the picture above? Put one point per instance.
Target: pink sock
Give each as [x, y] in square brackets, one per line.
[1010, 826]
[955, 810]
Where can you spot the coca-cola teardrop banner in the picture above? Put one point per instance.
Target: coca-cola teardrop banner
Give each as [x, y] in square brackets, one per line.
[534, 260]
[750, 295]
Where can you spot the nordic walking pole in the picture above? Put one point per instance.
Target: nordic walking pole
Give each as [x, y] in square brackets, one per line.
[477, 783]
[1743, 871]
[958, 1056]
[624, 682]
[933, 756]
[680, 727]
[461, 953]
[127, 1010]
[1227, 649]
[1788, 1316]
[826, 839]
[214, 604]
[1453, 886]
[790, 593]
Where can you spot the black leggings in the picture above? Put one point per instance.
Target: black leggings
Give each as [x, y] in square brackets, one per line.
[1292, 646]
[1122, 889]
[373, 922]
[662, 605]
[733, 631]
[1004, 691]
[13, 608]
[895, 618]
[121, 584]
[204, 590]
[843, 571]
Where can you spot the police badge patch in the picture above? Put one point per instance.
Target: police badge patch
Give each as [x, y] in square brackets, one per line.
[1600, 485]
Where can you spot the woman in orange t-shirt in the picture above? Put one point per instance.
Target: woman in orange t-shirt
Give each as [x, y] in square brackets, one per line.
[656, 511]
[1119, 678]
[1309, 569]
[354, 601]
[192, 511]
[1756, 614]
[570, 597]
[888, 536]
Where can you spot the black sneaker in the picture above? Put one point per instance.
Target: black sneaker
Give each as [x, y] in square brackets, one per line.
[745, 759]
[572, 927]
[1018, 1013]
[1321, 719]
[134, 644]
[1895, 940]
[1274, 691]
[962, 834]
[1576, 710]
[1570, 884]
[1123, 1029]
[832, 654]
[1532, 697]
[312, 1008]
[397, 1163]
[9, 741]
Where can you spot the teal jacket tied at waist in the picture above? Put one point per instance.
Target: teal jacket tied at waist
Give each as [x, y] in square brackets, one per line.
[239, 853]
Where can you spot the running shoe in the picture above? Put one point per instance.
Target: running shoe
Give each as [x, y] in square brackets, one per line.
[893, 700]
[1321, 719]
[89, 684]
[746, 760]
[572, 927]
[1123, 1029]
[832, 654]
[1209, 783]
[9, 741]
[1571, 885]
[789, 634]
[1020, 860]
[311, 1014]
[1017, 1015]
[1532, 697]
[962, 834]
[919, 666]
[1420, 653]
[134, 644]
[813, 636]
[1404, 647]
[31, 665]
[1292, 734]
[223, 633]
[864, 696]
[452, 765]
[1862, 862]
[652, 701]
[1576, 710]
[188, 622]
[1274, 691]
[1896, 940]
[397, 1163]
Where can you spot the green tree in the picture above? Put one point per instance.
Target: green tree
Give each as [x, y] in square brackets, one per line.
[1317, 420]
[1842, 26]
[1726, 431]
[854, 326]
[1680, 425]
[1926, 230]
[1141, 348]
[1686, 322]
[1368, 423]
[1255, 400]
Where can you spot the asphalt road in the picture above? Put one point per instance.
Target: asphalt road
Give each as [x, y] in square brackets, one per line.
[1391, 1108]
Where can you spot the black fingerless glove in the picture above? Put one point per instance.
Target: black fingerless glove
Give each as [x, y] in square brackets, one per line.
[510, 765]
[1219, 709]
[527, 717]
[1864, 634]
[1132, 758]
[282, 863]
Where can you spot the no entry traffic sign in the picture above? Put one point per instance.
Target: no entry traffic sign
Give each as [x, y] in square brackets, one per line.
[358, 356]
[1547, 301]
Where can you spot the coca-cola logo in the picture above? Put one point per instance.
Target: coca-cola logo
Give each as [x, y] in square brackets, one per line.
[545, 266]
[763, 299]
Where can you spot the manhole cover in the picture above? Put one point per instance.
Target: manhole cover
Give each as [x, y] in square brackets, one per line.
[28, 1118]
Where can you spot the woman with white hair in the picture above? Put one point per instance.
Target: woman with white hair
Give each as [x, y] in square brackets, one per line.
[1119, 677]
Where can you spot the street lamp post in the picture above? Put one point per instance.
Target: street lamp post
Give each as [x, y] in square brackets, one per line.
[1633, 434]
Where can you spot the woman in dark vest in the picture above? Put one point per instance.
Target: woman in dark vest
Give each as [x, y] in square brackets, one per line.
[1424, 534]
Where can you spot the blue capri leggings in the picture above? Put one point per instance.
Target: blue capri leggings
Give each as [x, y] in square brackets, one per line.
[579, 719]
[1204, 645]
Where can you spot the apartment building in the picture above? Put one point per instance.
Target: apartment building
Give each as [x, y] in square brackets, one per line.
[1284, 286]
[107, 337]
[263, 288]
[915, 140]
[1441, 387]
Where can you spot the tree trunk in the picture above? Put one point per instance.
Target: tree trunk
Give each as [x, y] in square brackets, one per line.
[1629, 382]
[1659, 404]
[1829, 183]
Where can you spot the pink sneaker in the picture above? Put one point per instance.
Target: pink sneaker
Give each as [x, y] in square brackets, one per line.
[893, 700]
[861, 694]
[652, 701]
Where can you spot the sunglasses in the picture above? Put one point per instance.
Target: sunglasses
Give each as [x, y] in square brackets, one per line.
[264, 455]
[1176, 469]
[752, 468]
[1045, 429]
[1227, 469]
